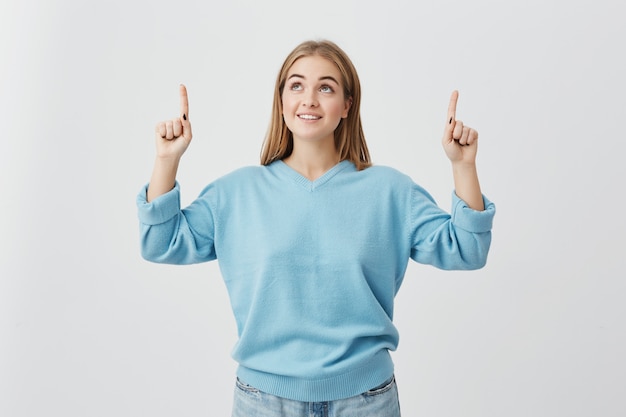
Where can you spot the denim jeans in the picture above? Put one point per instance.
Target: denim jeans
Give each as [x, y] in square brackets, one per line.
[381, 401]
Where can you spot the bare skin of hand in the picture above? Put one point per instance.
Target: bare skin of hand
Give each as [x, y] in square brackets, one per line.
[172, 140]
[460, 143]
[173, 136]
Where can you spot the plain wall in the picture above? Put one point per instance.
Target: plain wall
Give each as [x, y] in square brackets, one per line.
[88, 328]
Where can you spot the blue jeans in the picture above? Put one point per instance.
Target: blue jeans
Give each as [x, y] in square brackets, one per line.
[381, 401]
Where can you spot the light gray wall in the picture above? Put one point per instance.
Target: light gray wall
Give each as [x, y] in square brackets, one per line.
[87, 328]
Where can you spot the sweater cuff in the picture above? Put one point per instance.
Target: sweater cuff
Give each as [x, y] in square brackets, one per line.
[472, 220]
[159, 210]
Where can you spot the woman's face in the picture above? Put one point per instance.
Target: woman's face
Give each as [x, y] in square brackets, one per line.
[313, 99]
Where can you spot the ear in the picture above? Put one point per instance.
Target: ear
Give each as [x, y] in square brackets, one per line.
[347, 106]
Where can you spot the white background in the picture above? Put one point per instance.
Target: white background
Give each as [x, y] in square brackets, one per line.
[87, 328]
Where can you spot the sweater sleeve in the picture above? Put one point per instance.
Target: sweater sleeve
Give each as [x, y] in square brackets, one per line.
[174, 236]
[455, 241]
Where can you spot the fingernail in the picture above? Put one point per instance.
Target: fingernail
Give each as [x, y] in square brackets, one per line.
[184, 116]
[450, 122]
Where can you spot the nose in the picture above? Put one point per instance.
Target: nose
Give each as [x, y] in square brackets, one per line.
[310, 99]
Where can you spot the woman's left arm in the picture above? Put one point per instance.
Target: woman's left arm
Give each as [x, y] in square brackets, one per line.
[461, 144]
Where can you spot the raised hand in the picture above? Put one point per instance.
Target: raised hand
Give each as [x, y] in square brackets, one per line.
[172, 139]
[173, 136]
[459, 141]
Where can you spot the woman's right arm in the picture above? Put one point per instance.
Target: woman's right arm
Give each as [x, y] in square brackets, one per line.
[172, 139]
[169, 234]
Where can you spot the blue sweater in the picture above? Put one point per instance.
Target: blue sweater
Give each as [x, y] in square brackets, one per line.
[312, 267]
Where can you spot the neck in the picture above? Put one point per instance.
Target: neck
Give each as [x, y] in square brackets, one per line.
[312, 160]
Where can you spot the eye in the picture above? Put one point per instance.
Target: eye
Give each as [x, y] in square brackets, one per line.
[326, 89]
[295, 87]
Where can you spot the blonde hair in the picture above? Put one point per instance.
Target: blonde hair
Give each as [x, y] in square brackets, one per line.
[349, 137]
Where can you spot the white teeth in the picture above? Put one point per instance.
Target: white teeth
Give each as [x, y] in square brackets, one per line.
[308, 117]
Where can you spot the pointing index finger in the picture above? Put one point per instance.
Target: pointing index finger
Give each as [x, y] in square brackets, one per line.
[452, 106]
[184, 103]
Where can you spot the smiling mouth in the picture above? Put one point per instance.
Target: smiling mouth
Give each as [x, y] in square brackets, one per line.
[309, 117]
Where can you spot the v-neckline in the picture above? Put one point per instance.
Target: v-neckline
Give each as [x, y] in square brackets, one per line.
[308, 184]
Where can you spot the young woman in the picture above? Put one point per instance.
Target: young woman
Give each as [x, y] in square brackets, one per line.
[313, 244]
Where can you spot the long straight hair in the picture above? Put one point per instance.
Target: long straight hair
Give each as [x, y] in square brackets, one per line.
[349, 137]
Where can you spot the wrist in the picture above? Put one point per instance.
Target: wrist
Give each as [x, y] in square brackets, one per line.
[463, 166]
[167, 160]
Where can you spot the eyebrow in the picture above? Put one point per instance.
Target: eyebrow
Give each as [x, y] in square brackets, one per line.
[326, 77]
